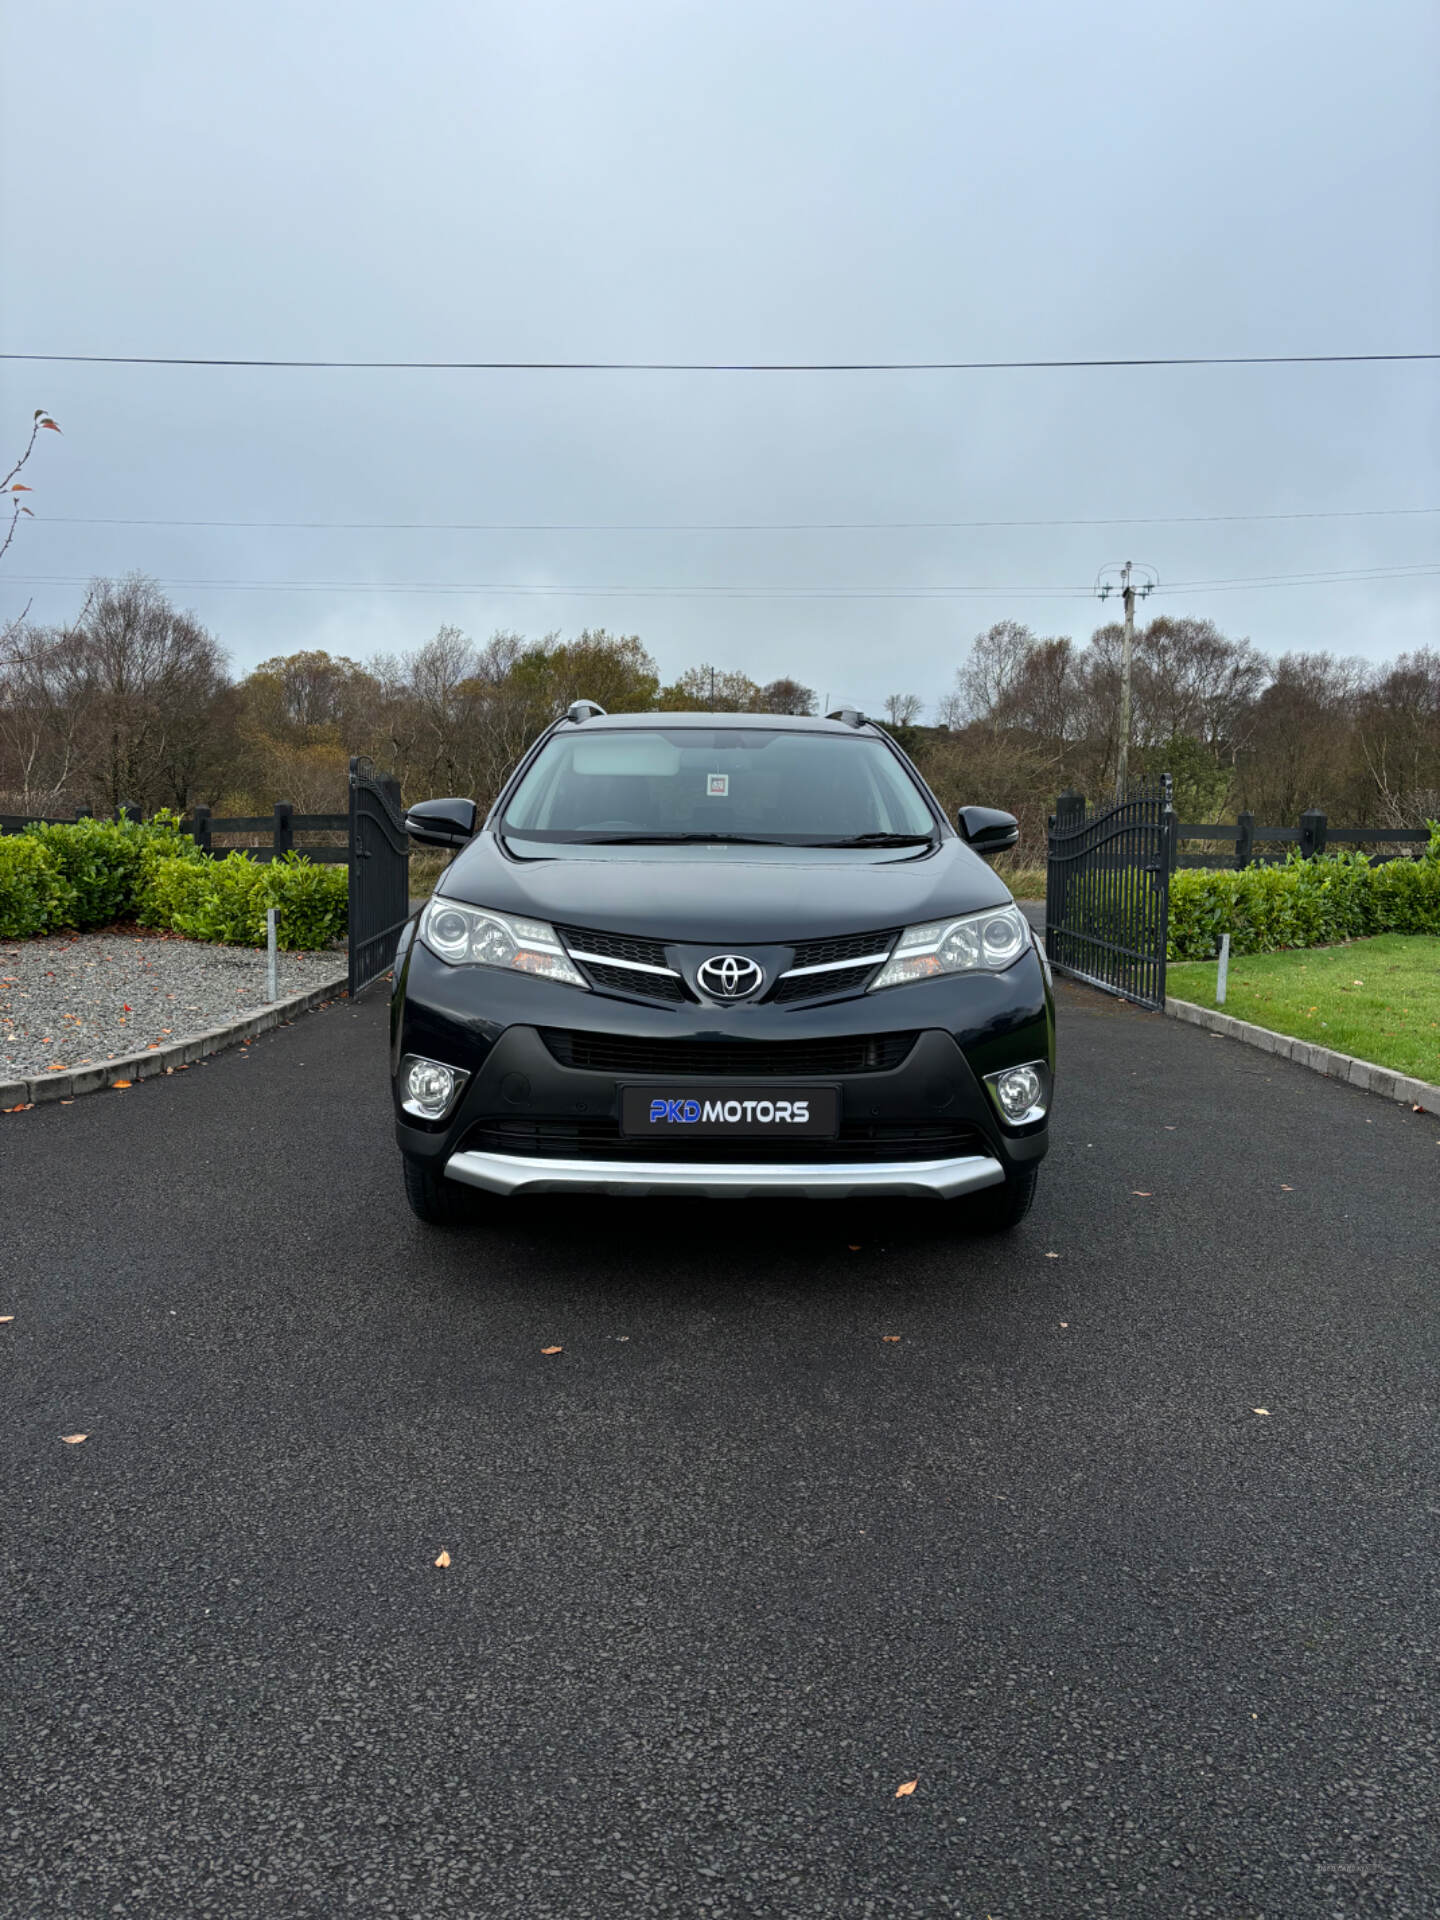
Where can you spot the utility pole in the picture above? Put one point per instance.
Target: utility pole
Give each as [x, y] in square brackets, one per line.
[1128, 589]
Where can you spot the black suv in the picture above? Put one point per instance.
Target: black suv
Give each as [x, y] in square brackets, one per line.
[719, 954]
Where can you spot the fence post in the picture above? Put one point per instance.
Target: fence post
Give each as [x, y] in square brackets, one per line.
[1312, 833]
[200, 829]
[1244, 840]
[284, 832]
[1069, 808]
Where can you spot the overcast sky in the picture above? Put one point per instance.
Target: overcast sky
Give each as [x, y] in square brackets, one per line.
[793, 179]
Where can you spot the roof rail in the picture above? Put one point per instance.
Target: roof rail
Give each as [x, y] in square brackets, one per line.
[580, 710]
[851, 716]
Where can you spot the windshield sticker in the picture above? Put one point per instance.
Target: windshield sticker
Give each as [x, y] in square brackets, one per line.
[717, 785]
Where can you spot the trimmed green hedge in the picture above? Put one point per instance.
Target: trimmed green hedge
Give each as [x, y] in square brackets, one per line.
[226, 900]
[95, 872]
[1304, 903]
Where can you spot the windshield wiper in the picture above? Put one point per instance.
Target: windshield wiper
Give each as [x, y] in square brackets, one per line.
[878, 840]
[675, 840]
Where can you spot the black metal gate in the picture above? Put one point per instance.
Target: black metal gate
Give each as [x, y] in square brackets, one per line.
[1107, 892]
[379, 873]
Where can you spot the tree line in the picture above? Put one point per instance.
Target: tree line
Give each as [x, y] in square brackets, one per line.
[133, 703]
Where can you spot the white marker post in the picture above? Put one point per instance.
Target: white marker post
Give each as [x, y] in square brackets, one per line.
[272, 956]
[1223, 976]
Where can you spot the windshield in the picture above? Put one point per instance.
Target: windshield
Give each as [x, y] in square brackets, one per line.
[702, 783]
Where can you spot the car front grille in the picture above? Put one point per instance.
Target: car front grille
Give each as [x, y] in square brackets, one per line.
[599, 1138]
[846, 946]
[615, 946]
[728, 1059]
[810, 986]
[654, 986]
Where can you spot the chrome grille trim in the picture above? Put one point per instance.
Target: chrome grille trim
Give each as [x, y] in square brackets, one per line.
[835, 966]
[630, 966]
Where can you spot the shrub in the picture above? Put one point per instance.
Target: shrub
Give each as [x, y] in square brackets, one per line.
[34, 894]
[226, 900]
[93, 872]
[101, 861]
[1304, 903]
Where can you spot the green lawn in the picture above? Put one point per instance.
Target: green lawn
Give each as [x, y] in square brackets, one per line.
[1377, 999]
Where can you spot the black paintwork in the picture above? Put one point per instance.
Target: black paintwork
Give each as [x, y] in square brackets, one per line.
[698, 900]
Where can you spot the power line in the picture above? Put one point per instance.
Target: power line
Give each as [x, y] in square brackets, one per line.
[732, 526]
[1329, 577]
[721, 366]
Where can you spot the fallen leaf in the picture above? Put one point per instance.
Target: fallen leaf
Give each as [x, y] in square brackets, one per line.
[1285, 1189]
[1064, 1323]
[854, 1248]
[1261, 1410]
[1142, 1193]
[120, 1083]
[552, 1349]
[905, 1787]
[891, 1337]
[5, 1319]
[444, 1558]
[74, 1439]
[1052, 1256]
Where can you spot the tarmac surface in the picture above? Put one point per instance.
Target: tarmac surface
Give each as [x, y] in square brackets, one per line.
[1116, 1536]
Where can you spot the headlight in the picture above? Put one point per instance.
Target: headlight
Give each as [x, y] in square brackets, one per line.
[979, 943]
[472, 936]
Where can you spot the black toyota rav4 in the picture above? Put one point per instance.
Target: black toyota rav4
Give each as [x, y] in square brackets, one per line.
[719, 954]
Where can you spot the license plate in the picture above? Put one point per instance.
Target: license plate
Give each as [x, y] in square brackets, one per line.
[730, 1111]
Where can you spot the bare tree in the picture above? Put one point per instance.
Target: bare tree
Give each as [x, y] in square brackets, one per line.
[155, 677]
[903, 709]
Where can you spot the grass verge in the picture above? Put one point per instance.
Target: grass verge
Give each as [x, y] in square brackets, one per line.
[1378, 999]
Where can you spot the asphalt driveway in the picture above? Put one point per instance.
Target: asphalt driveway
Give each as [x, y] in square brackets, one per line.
[812, 1503]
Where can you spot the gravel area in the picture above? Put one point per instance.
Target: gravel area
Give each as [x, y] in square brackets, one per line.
[83, 998]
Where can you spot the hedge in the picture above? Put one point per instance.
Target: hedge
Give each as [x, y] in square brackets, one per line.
[1302, 903]
[95, 872]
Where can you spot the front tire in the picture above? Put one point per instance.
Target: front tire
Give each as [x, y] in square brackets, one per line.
[437, 1201]
[998, 1209]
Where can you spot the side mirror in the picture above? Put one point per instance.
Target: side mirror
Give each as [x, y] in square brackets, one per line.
[987, 830]
[442, 823]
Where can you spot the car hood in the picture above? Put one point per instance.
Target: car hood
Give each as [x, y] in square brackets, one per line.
[724, 893]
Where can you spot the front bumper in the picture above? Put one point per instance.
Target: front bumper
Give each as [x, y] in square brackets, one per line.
[530, 1121]
[508, 1174]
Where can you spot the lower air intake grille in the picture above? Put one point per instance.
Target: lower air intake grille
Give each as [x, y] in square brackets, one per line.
[599, 1138]
[735, 1059]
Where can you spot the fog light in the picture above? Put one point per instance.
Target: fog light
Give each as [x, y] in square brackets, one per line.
[429, 1089]
[1020, 1092]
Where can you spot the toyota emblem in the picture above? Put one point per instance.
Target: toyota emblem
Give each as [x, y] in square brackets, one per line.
[729, 976]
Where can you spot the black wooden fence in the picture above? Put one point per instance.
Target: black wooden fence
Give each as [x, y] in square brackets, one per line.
[1247, 845]
[264, 836]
